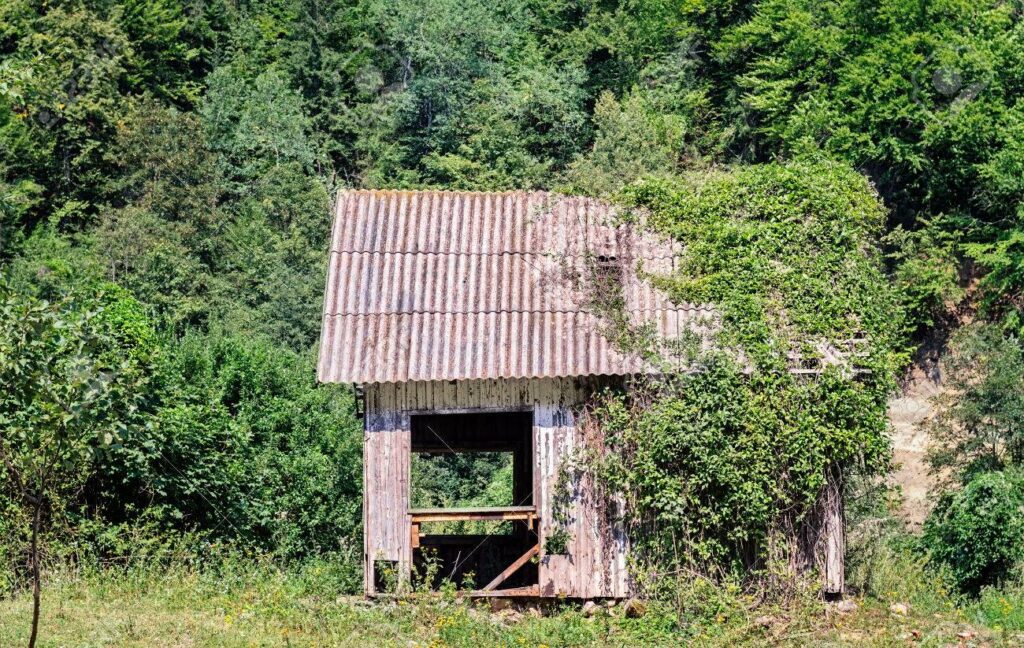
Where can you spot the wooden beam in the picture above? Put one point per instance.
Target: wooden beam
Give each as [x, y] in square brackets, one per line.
[511, 569]
[528, 591]
[495, 513]
[833, 530]
[476, 509]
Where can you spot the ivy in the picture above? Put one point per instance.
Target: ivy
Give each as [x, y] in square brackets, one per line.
[716, 461]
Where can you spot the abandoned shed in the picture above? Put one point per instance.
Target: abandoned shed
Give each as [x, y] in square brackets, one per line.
[465, 321]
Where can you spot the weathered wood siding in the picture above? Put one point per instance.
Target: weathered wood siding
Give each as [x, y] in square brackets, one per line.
[386, 459]
[595, 564]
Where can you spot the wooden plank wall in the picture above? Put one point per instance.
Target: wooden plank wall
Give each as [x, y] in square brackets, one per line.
[595, 565]
[386, 460]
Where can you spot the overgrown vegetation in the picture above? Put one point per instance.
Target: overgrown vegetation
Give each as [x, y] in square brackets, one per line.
[837, 170]
[236, 601]
[722, 463]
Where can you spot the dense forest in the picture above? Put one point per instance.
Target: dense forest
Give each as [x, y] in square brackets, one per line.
[166, 173]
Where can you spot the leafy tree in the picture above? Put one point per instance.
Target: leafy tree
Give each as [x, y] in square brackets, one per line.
[633, 141]
[165, 54]
[245, 442]
[157, 235]
[980, 420]
[271, 266]
[20, 195]
[915, 94]
[76, 375]
[66, 71]
[255, 123]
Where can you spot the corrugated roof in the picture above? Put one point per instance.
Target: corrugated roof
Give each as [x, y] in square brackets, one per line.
[437, 285]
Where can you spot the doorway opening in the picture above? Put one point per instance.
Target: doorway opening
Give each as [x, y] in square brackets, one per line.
[473, 520]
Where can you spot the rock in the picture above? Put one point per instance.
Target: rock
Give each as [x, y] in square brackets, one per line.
[635, 608]
[510, 615]
[534, 612]
[498, 604]
[846, 606]
[589, 609]
[764, 621]
[899, 608]
[610, 603]
[964, 636]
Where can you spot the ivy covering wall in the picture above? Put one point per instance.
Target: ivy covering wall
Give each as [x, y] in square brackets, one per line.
[720, 462]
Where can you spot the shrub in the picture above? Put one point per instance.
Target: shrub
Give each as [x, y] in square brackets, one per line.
[981, 411]
[978, 532]
[1000, 608]
[246, 446]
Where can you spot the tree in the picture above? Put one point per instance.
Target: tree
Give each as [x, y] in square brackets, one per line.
[75, 373]
[978, 532]
[980, 424]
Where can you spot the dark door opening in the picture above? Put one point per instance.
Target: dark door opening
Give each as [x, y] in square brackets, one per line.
[472, 509]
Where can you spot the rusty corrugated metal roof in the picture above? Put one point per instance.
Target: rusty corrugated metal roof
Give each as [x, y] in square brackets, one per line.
[437, 285]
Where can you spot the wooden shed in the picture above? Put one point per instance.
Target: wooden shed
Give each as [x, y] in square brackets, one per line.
[467, 323]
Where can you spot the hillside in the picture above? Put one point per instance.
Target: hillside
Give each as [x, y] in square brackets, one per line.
[836, 176]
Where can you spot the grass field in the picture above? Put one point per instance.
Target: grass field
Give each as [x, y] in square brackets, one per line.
[260, 606]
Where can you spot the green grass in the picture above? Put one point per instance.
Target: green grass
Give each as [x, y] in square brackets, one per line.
[1001, 609]
[254, 604]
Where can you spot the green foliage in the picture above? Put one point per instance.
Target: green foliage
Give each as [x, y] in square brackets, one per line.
[78, 377]
[1002, 285]
[980, 420]
[244, 443]
[927, 273]
[715, 463]
[255, 122]
[906, 90]
[633, 140]
[888, 565]
[461, 479]
[1001, 608]
[78, 373]
[157, 235]
[788, 254]
[978, 532]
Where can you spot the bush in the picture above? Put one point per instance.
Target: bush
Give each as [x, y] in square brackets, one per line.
[1001, 608]
[246, 446]
[978, 532]
[981, 410]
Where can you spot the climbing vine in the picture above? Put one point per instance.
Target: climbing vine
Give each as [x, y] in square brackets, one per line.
[719, 460]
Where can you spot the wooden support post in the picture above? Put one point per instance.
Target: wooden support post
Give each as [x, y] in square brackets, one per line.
[833, 532]
[414, 535]
[511, 569]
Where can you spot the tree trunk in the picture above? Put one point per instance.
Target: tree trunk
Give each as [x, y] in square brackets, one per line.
[35, 571]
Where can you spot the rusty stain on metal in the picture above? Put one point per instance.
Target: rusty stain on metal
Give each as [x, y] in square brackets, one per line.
[436, 285]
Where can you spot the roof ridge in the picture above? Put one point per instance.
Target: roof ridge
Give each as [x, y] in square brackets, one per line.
[550, 254]
[456, 192]
[684, 308]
